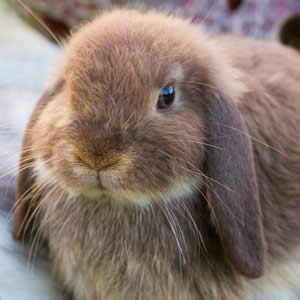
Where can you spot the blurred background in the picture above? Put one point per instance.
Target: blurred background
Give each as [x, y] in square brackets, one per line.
[260, 19]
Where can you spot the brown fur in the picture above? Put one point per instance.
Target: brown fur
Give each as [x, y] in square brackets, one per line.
[189, 203]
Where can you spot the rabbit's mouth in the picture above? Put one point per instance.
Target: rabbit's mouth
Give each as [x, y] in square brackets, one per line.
[93, 185]
[112, 184]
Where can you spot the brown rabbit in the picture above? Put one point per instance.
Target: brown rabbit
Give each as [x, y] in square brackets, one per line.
[164, 164]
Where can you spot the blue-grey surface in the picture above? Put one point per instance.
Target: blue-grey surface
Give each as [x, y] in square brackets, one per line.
[25, 69]
[26, 60]
[25, 63]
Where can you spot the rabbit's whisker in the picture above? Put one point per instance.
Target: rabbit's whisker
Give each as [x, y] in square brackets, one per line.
[209, 12]
[42, 23]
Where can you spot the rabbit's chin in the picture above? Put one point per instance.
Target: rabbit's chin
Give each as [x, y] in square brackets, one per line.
[114, 196]
[177, 192]
[133, 198]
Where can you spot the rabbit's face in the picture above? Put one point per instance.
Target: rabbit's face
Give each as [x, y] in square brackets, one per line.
[133, 129]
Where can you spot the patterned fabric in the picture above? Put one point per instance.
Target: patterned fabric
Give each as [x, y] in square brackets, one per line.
[254, 18]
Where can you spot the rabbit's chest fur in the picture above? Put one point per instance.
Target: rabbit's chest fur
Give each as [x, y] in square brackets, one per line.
[108, 253]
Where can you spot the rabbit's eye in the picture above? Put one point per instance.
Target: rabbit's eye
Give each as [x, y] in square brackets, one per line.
[166, 97]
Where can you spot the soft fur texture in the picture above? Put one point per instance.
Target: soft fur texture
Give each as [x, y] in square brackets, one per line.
[200, 201]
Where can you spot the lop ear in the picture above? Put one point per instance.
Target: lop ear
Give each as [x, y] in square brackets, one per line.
[25, 204]
[232, 187]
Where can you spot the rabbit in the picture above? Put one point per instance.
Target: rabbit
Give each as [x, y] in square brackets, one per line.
[162, 163]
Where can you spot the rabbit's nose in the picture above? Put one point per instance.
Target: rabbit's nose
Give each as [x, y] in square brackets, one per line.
[98, 164]
[104, 165]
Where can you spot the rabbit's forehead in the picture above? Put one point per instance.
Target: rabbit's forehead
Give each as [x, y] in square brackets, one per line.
[131, 75]
[140, 58]
[134, 65]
